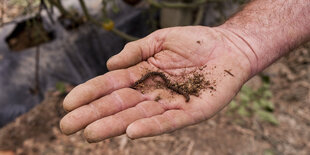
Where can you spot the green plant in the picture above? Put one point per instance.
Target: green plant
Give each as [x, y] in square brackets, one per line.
[61, 87]
[268, 152]
[255, 103]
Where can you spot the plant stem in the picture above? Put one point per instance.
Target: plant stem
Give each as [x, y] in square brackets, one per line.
[59, 6]
[85, 11]
[114, 30]
[37, 75]
[44, 6]
[199, 15]
[165, 4]
[124, 35]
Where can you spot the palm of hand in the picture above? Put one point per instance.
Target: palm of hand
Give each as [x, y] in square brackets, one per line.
[107, 107]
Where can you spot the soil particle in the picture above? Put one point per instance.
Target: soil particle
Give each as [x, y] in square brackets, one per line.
[157, 98]
[202, 67]
[29, 33]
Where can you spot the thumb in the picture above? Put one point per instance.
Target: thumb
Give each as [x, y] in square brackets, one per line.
[137, 51]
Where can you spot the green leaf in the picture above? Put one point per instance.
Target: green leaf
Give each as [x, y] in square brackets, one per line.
[268, 152]
[61, 87]
[242, 111]
[267, 116]
[233, 105]
[244, 98]
[266, 105]
[256, 106]
[267, 94]
[246, 90]
[260, 91]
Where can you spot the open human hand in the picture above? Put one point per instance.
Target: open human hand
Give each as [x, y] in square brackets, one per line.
[107, 105]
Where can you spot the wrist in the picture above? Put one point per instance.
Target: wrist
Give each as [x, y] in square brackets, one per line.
[270, 29]
[245, 48]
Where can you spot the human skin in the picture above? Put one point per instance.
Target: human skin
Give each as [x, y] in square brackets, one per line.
[251, 40]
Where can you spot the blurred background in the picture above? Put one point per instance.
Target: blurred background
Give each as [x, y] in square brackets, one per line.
[49, 46]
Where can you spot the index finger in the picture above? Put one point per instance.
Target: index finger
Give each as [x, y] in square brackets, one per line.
[101, 85]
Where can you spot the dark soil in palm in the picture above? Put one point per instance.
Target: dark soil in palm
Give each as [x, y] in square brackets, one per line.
[192, 85]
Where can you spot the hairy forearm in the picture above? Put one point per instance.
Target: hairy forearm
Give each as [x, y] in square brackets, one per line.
[270, 28]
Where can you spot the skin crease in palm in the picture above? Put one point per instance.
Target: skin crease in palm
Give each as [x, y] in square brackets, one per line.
[106, 106]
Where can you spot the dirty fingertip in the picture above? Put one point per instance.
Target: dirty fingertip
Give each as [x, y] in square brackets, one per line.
[65, 127]
[133, 132]
[90, 136]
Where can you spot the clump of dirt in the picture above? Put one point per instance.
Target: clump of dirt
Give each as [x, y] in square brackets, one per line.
[29, 33]
[192, 85]
[157, 98]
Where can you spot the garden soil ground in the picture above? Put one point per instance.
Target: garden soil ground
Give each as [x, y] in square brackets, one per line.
[37, 131]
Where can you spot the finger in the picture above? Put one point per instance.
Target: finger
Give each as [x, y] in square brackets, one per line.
[100, 86]
[116, 124]
[108, 105]
[137, 51]
[159, 124]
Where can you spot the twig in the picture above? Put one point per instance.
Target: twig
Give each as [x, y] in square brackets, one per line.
[190, 147]
[199, 15]
[39, 31]
[63, 11]
[85, 11]
[124, 35]
[176, 4]
[37, 76]
[114, 30]
[228, 72]
[59, 6]
[43, 6]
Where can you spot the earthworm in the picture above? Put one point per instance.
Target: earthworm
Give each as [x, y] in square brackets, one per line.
[167, 83]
